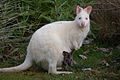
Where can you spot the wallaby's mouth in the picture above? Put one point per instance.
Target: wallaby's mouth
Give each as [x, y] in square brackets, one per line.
[82, 26]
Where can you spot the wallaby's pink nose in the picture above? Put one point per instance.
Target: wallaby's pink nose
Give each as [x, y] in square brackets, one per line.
[83, 24]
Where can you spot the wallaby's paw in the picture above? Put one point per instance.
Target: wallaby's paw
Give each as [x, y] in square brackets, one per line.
[61, 72]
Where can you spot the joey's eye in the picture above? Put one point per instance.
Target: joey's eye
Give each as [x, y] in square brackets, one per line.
[86, 18]
[79, 17]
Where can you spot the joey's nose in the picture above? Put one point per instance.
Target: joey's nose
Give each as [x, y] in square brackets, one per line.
[83, 24]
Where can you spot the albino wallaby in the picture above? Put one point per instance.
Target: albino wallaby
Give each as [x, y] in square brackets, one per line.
[48, 43]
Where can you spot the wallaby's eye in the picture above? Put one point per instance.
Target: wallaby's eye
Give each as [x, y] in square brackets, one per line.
[86, 18]
[79, 17]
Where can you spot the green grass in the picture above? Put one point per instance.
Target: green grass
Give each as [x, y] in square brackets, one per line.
[93, 61]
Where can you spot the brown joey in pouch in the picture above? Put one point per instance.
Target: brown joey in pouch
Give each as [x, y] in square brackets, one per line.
[67, 60]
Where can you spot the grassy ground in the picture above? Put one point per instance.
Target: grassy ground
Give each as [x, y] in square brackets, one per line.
[96, 60]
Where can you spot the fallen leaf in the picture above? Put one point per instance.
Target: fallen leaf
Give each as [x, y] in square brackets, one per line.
[87, 41]
[104, 49]
[86, 69]
[104, 63]
[82, 56]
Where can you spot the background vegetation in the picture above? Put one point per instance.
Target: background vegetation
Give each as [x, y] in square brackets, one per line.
[19, 19]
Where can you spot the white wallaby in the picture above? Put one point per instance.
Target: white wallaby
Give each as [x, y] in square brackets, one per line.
[48, 43]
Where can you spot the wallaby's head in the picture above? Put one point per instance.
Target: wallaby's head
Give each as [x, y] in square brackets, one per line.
[82, 16]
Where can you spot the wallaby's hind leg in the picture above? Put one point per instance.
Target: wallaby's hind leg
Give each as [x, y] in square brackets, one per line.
[52, 69]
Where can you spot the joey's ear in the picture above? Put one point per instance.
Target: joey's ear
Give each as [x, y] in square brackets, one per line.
[88, 9]
[78, 9]
[64, 53]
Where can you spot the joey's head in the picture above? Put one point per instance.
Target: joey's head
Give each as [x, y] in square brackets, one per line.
[82, 16]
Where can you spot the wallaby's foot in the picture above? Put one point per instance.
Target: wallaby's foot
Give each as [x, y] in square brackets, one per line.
[53, 69]
[61, 72]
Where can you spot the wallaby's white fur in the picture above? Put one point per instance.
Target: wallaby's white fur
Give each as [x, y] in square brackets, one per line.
[48, 43]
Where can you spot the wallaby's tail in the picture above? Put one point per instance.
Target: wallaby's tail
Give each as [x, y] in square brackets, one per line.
[25, 65]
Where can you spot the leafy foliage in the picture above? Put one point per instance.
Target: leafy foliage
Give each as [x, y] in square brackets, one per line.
[106, 14]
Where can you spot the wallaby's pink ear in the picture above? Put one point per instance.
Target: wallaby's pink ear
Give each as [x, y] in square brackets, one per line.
[78, 9]
[88, 9]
